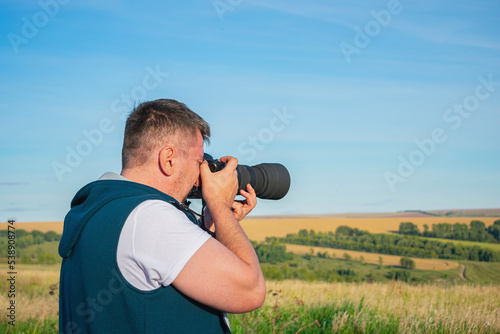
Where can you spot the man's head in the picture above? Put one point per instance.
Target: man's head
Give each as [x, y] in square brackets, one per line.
[156, 123]
[161, 136]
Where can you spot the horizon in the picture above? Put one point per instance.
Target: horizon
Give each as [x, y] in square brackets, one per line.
[495, 214]
[372, 107]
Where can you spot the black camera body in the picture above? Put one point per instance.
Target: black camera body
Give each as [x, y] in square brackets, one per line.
[269, 180]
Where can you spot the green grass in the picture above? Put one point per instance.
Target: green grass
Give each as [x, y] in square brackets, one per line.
[343, 317]
[488, 245]
[32, 326]
[326, 269]
[482, 272]
[46, 247]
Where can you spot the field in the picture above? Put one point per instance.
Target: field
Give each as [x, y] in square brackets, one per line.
[259, 229]
[374, 308]
[448, 305]
[482, 272]
[491, 246]
[43, 226]
[373, 258]
[33, 285]
[311, 307]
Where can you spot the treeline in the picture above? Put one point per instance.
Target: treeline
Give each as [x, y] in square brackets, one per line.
[476, 231]
[272, 253]
[278, 264]
[24, 239]
[392, 244]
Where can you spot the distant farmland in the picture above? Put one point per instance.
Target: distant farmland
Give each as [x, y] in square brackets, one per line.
[259, 229]
[41, 226]
[374, 258]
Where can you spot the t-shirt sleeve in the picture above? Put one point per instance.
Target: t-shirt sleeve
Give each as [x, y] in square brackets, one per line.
[163, 241]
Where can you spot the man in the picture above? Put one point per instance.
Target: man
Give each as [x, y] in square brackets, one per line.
[134, 259]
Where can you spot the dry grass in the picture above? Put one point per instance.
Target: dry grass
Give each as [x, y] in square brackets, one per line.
[33, 287]
[259, 229]
[453, 307]
[388, 260]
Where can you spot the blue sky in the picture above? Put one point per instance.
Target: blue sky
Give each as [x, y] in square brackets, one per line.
[374, 106]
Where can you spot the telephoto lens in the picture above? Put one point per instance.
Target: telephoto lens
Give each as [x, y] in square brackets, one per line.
[269, 180]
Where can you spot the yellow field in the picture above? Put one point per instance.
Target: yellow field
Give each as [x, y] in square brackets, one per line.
[41, 226]
[259, 229]
[388, 260]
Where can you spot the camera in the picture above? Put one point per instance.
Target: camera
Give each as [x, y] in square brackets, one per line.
[269, 180]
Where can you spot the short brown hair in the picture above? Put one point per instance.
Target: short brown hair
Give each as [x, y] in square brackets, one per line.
[155, 122]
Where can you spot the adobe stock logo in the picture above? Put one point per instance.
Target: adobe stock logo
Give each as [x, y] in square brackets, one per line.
[31, 26]
[224, 6]
[453, 116]
[254, 144]
[372, 29]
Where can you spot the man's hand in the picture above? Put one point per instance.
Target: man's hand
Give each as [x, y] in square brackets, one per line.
[219, 189]
[242, 208]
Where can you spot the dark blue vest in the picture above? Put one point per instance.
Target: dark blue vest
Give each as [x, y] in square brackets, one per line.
[94, 296]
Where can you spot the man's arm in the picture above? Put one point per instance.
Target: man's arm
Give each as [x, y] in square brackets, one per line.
[224, 273]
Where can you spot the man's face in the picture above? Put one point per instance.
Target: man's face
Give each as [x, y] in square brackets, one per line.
[190, 166]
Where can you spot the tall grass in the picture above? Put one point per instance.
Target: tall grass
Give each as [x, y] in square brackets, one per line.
[36, 293]
[374, 308]
[306, 307]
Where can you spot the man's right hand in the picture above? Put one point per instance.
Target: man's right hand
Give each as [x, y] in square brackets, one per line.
[220, 188]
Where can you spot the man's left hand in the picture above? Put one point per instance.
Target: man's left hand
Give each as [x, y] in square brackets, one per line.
[242, 208]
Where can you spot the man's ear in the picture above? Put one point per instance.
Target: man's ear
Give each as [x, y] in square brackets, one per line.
[166, 160]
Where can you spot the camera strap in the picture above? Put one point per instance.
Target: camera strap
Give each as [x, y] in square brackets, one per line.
[201, 221]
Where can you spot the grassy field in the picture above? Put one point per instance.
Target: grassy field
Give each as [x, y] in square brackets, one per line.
[34, 284]
[495, 247]
[312, 307]
[374, 258]
[482, 272]
[373, 308]
[449, 305]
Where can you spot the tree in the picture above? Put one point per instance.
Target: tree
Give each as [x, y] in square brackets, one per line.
[442, 230]
[426, 231]
[477, 231]
[494, 230]
[344, 230]
[460, 231]
[408, 228]
[52, 236]
[407, 263]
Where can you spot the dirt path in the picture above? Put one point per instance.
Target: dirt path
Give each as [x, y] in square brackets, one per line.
[462, 272]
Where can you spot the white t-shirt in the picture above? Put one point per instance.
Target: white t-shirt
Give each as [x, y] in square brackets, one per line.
[156, 242]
